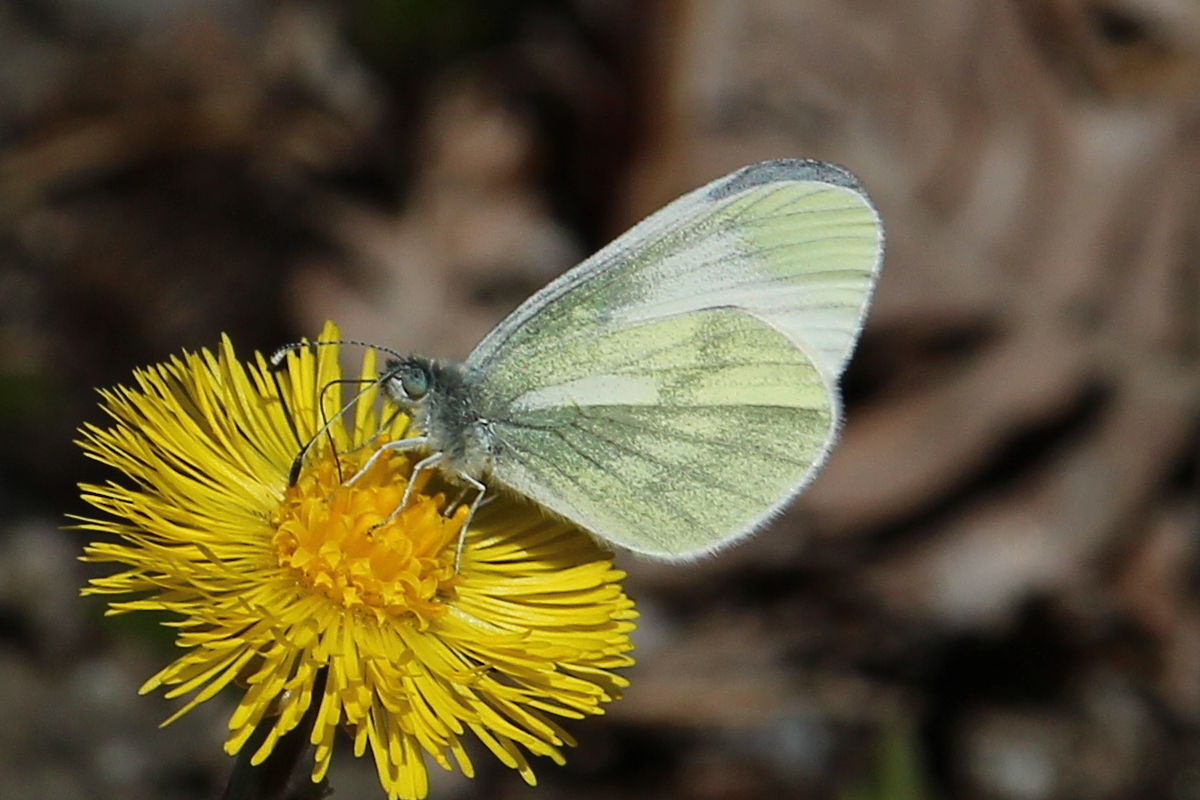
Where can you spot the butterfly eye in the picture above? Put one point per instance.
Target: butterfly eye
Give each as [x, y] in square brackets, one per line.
[415, 382]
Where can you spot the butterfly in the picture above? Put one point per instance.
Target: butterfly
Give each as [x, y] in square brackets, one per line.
[675, 390]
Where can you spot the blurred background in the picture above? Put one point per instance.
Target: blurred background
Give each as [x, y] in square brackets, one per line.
[994, 589]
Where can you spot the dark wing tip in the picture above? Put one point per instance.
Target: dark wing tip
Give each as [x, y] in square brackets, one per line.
[786, 169]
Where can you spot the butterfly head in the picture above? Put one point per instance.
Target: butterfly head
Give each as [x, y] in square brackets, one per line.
[438, 397]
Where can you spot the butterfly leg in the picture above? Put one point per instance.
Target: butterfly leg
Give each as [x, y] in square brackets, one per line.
[423, 464]
[480, 493]
[400, 445]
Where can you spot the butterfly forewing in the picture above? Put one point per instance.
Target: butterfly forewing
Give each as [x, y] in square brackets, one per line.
[674, 389]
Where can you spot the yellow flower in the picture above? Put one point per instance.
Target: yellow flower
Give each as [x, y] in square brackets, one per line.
[308, 593]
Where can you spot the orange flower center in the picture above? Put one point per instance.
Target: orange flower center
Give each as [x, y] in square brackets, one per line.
[343, 541]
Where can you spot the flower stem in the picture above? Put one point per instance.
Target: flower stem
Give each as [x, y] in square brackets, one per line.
[285, 774]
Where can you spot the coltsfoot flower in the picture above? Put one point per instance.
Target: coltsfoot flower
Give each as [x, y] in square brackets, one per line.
[309, 593]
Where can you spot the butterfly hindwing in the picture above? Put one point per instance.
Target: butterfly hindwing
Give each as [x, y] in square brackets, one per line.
[687, 432]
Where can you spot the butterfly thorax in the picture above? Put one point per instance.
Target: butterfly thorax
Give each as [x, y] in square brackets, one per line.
[438, 396]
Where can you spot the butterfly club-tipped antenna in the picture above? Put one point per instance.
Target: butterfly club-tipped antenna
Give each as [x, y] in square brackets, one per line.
[278, 361]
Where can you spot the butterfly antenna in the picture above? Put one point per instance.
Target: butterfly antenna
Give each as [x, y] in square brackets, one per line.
[325, 429]
[383, 426]
[275, 365]
[287, 412]
[327, 423]
[278, 360]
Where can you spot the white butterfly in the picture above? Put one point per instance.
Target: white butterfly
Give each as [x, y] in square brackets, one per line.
[672, 392]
